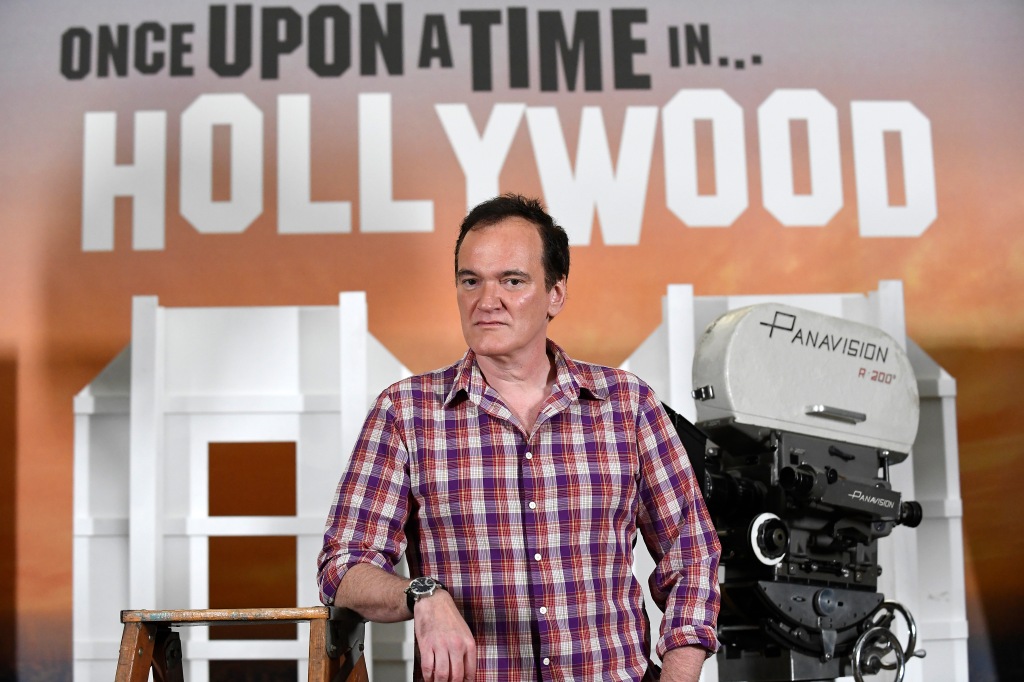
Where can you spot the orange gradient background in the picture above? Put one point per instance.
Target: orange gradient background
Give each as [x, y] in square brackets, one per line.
[65, 313]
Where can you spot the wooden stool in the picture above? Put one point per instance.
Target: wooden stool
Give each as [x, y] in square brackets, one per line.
[335, 641]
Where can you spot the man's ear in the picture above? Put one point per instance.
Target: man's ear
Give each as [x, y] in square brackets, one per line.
[556, 298]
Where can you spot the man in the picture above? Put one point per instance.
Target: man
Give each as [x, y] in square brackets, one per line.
[518, 477]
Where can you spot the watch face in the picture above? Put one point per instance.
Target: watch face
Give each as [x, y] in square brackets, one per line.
[421, 587]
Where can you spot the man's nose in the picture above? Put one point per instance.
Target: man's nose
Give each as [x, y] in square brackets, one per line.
[490, 296]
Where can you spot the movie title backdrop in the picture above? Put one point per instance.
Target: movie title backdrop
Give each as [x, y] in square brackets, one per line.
[275, 153]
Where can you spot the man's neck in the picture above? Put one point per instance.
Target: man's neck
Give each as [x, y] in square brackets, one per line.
[531, 369]
[523, 382]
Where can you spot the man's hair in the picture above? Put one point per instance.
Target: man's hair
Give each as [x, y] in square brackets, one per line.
[555, 254]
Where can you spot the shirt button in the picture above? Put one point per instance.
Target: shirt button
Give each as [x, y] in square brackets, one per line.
[537, 556]
[533, 505]
[543, 610]
[529, 455]
[546, 661]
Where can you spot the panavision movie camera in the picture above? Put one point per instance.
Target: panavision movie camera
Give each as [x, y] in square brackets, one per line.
[799, 417]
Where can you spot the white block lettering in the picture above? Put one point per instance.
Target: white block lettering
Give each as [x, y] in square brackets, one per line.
[780, 199]
[871, 120]
[730, 155]
[246, 124]
[378, 210]
[481, 157]
[618, 193]
[145, 181]
[296, 212]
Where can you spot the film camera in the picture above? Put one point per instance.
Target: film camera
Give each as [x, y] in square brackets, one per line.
[799, 418]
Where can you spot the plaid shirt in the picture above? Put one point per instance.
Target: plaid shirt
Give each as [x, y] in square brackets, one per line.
[532, 532]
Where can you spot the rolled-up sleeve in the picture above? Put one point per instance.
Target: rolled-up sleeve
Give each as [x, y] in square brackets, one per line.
[679, 534]
[366, 523]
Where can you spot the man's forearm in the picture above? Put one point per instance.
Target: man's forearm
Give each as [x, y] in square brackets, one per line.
[447, 648]
[374, 594]
[683, 664]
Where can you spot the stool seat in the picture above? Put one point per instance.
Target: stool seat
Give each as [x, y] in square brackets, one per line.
[149, 642]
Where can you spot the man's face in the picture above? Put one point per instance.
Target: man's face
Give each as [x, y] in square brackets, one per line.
[500, 283]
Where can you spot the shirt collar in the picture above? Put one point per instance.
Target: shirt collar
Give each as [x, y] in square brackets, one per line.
[571, 379]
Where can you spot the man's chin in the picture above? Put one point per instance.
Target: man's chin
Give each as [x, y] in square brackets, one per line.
[482, 335]
[488, 345]
[489, 350]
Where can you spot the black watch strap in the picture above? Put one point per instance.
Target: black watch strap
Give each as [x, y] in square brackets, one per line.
[410, 601]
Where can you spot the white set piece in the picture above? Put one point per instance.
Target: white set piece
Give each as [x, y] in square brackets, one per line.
[304, 375]
[923, 566]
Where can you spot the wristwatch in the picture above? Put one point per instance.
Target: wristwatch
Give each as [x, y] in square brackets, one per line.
[420, 588]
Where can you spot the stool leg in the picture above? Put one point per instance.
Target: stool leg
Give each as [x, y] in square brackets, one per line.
[358, 673]
[319, 664]
[326, 668]
[136, 655]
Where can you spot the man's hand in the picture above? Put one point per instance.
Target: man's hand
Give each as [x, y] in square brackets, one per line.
[682, 664]
[447, 647]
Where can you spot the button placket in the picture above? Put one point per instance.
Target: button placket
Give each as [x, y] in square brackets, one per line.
[532, 505]
[535, 521]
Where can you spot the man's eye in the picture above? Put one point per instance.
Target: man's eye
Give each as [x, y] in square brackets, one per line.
[514, 282]
[468, 282]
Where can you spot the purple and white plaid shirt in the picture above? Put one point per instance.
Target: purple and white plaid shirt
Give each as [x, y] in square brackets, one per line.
[532, 533]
